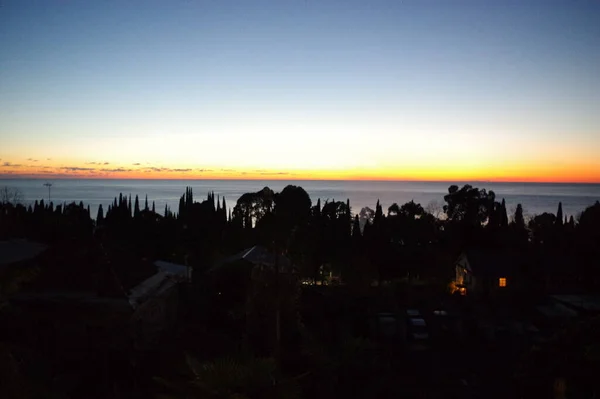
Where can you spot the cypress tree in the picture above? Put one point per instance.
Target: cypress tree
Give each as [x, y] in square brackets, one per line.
[504, 215]
[182, 205]
[166, 210]
[356, 228]
[218, 205]
[519, 219]
[51, 206]
[129, 207]
[120, 200]
[153, 208]
[572, 221]
[378, 213]
[145, 203]
[100, 216]
[559, 215]
[88, 211]
[29, 210]
[136, 208]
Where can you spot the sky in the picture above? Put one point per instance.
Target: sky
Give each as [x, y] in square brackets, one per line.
[295, 89]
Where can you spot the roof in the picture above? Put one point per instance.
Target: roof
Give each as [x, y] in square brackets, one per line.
[581, 302]
[153, 286]
[14, 251]
[172, 268]
[257, 255]
[493, 263]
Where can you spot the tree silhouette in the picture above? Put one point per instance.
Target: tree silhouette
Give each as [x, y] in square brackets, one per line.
[504, 215]
[136, 209]
[559, 215]
[519, 220]
[100, 215]
[393, 210]
[153, 208]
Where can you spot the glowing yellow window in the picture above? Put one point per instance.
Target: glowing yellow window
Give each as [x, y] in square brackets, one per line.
[502, 282]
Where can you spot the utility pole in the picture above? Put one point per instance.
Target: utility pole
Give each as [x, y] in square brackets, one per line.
[49, 185]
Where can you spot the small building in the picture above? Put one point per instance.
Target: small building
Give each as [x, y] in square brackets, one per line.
[487, 273]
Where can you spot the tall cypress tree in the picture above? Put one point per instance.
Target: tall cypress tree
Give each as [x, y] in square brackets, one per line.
[136, 207]
[166, 211]
[503, 214]
[129, 207]
[145, 203]
[356, 228]
[182, 205]
[378, 213]
[100, 215]
[519, 219]
[153, 208]
[559, 215]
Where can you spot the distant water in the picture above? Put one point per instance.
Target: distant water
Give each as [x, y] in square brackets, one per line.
[536, 198]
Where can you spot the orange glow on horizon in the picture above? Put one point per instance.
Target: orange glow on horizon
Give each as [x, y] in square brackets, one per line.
[575, 173]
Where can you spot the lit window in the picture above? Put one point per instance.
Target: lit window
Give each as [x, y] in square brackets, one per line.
[502, 282]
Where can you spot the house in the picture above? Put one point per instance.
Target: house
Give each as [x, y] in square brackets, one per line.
[230, 277]
[488, 273]
[87, 307]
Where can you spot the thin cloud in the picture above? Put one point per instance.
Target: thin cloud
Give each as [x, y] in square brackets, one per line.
[106, 163]
[180, 170]
[274, 173]
[76, 168]
[116, 170]
[204, 170]
[48, 159]
[136, 164]
[32, 160]
[12, 165]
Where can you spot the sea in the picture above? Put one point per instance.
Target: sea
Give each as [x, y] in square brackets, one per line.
[535, 198]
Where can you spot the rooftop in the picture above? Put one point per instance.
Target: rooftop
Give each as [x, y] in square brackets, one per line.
[14, 251]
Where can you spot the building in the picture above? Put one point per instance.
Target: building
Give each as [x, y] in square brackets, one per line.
[488, 273]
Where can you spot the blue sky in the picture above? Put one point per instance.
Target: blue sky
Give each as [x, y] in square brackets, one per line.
[393, 86]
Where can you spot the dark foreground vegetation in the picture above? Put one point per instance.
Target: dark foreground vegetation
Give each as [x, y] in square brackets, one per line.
[282, 298]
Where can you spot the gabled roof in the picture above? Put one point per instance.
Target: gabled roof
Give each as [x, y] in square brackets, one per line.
[257, 255]
[493, 262]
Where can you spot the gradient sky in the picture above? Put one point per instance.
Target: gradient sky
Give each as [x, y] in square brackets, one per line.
[370, 89]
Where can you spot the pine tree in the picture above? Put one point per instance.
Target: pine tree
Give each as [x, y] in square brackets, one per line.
[100, 216]
[136, 207]
[559, 215]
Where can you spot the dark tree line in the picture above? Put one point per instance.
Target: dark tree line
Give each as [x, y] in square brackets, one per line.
[328, 239]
